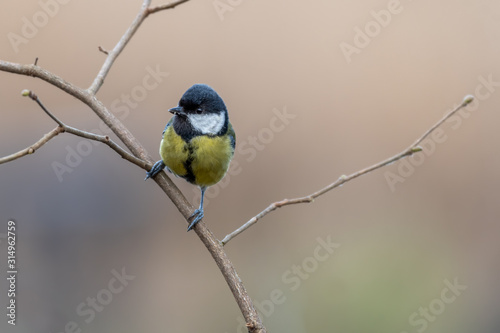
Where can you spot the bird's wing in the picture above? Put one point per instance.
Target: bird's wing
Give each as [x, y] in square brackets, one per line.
[232, 135]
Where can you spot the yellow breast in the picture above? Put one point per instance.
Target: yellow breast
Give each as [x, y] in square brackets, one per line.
[203, 161]
[174, 152]
[211, 158]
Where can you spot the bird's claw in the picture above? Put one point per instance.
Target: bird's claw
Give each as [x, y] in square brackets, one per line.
[198, 215]
[156, 169]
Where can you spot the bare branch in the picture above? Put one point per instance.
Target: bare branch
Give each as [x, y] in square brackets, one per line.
[34, 147]
[467, 100]
[113, 54]
[231, 276]
[107, 117]
[34, 97]
[39, 72]
[412, 149]
[102, 50]
[65, 128]
[174, 4]
[113, 145]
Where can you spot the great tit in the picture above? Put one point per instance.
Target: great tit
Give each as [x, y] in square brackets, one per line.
[198, 142]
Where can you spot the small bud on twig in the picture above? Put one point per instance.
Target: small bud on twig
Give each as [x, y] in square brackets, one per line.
[467, 100]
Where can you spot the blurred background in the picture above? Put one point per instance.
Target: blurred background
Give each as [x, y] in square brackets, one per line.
[314, 90]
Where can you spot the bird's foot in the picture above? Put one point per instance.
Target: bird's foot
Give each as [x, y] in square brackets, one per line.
[156, 169]
[198, 215]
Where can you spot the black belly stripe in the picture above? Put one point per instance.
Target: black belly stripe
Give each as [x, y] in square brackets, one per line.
[189, 176]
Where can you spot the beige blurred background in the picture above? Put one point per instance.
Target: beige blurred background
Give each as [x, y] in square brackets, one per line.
[396, 247]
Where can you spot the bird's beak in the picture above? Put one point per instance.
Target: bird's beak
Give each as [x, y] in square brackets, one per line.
[178, 110]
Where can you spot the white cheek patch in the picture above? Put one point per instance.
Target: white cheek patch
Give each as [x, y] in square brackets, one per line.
[210, 123]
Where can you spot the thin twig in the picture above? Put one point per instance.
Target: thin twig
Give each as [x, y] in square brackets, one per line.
[41, 73]
[34, 147]
[35, 98]
[102, 50]
[110, 143]
[113, 54]
[90, 100]
[174, 4]
[412, 149]
[467, 100]
[87, 135]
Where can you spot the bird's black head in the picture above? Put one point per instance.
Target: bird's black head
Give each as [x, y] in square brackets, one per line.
[201, 99]
[201, 110]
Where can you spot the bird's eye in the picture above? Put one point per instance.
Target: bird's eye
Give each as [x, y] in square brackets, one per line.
[199, 111]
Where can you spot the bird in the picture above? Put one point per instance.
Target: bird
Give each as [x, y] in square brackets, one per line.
[198, 142]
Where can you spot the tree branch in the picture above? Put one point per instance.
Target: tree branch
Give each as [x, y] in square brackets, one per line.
[113, 54]
[174, 4]
[412, 149]
[110, 143]
[34, 147]
[39, 72]
[65, 128]
[33, 96]
[90, 100]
